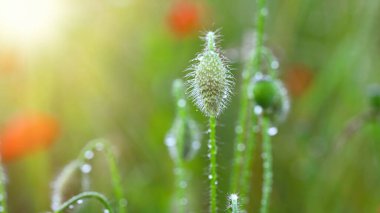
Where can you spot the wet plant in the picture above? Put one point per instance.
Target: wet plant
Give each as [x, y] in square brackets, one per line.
[210, 85]
[233, 203]
[183, 141]
[82, 164]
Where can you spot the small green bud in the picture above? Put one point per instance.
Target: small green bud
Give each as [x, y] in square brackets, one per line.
[210, 80]
[270, 97]
[374, 97]
[266, 94]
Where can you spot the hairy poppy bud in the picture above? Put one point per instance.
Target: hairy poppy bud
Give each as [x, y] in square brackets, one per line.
[210, 80]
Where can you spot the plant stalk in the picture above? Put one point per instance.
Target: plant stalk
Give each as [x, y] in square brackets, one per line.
[86, 195]
[246, 101]
[213, 173]
[267, 166]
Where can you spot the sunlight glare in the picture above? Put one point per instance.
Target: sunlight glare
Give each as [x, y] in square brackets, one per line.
[29, 21]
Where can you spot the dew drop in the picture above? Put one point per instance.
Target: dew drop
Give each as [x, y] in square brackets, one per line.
[264, 11]
[123, 202]
[86, 168]
[89, 154]
[233, 197]
[106, 211]
[99, 146]
[184, 201]
[241, 147]
[71, 206]
[258, 110]
[79, 201]
[183, 184]
[196, 145]
[274, 64]
[170, 141]
[238, 129]
[272, 131]
[181, 103]
[210, 177]
[259, 76]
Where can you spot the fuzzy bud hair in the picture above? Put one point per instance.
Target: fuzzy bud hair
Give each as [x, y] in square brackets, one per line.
[210, 80]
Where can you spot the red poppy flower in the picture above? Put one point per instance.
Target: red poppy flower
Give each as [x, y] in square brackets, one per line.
[298, 79]
[26, 134]
[184, 18]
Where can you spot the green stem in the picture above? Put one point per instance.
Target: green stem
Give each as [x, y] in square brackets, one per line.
[3, 194]
[114, 171]
[181, 182]
[234, 203]
[252, 66]
[213, 174]
[240, 129]
[267, 166]
[260, 23]
[86, 195]
[247, 167]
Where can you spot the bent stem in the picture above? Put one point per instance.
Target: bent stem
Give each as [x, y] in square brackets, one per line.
[267, 166]
[100, 144]
[213, 173]
[86, 195]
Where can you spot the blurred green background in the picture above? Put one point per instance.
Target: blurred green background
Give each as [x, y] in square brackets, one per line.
[104, 68]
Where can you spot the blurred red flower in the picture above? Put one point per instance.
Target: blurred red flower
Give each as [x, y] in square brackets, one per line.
[184, 18]
[26, 134]
[298, 78]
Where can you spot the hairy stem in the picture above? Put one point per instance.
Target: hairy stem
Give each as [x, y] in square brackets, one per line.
[213, 174]
[86, 195]
[247, 168]
[180, 170]
[267, 166]
[234, 204]
[246, 101]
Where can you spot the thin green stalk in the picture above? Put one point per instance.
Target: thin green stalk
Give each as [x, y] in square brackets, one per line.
[213, 174]
[180, 170]
[267, 166]
[86, 195]
[252, 66]
[117, 186]
[247, 168]
[3, 194]
[261, 14]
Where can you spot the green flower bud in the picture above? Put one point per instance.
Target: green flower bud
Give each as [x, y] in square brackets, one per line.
[270, 97]
[210, 80]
